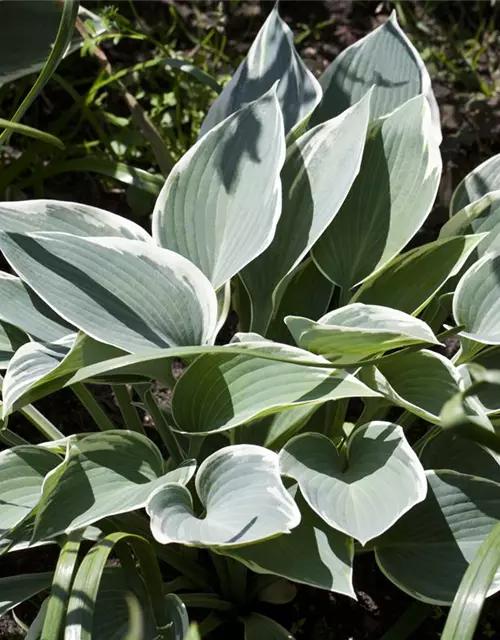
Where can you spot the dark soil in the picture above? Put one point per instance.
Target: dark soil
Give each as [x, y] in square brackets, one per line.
[471, 128]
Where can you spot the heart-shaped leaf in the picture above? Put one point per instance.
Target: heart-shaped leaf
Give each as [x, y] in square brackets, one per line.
[236, 388]
[103, 474]
[30, 216]
[476, 303]
[209, 210]
[358, 331]
[409, 281]
[428, 550]
[389, 200]
[309, 202]
[241, 491]
[313, 554]
[420, 382]
[22, 308]
[272, 57]
[362, 497]
[127, 293]
[386, 59]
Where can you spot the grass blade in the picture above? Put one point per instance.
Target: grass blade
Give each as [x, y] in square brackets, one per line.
[466, 609]
[31, 132]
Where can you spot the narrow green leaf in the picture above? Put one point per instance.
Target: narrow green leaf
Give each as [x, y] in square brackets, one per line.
[464, 614]
[31, 132]
[364, 495]
[390, 199]
[241, 492]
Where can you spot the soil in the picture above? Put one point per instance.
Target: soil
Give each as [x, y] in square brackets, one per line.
[471, 127]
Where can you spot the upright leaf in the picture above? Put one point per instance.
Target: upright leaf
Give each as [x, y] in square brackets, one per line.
[385, 59]
[366, 494]
[240, 490]
[358, 332]
[478, 183]
[221, 202]
[237, 389]
[271, 57]
[428, 550]
[330, 152]
[130, 294]
[390, 199]
[476, 303]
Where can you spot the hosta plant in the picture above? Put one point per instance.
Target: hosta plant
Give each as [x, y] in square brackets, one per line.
[287, 451]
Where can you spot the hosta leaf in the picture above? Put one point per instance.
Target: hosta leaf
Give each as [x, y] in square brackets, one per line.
[241, 490]
[22, 308]
[419, 382]
[479, 182]
[428, 550]
[271, 57]
[488, 395]
[130, 294]
[313, 554]
[304, 290]
[383, 478]
[309, 203]
[17, 589]
[476, 303]
[385, 58]
[409, 281]
[38, 369]
[22, 472]
[446, 451]
[237, 389]
[390, 199]
[209, 209]
[258, 627]
[103, 474]
[358, 331]
[30, 216]
[10, 340]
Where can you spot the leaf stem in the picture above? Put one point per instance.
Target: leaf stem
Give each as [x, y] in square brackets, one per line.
[43, 425]
[334, 429]
[127, 409]
[166, 433]
[93, 407]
